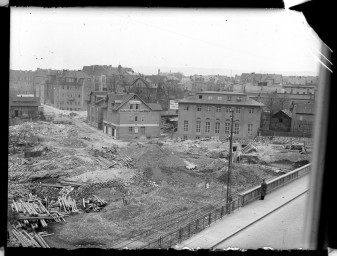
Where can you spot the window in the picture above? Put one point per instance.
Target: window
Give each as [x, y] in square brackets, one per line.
[185, 137]
[229, 98]
[227, 128]
[130, 129]
[280, 120]
[137, 106]
[136, 129]
[197, 137]
[136, 118]
[208, 127]
[67, 87]
[200, 96]
[210, 97]
[219, 98]
[303, 92]
[131, 106]
[185, 126]
[186, 107]
[197, 126]
[79, 95]
[130, 118]
[228, 109]
[250, 129]
[236, 128]
[237, 110]
[143, 118]
[238, 98]
[251, 110]
[199, 108]
[208, 108]
[217, 126]
[218, 109]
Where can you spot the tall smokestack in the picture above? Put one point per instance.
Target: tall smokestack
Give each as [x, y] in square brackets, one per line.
[158, 72]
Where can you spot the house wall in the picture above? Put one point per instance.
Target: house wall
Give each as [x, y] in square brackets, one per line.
[280, 122]
[299, 90]
[303, 123]
[124, 118]
[191, 115]
[24, 111]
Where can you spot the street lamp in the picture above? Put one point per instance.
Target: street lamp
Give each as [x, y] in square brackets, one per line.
[229, 185]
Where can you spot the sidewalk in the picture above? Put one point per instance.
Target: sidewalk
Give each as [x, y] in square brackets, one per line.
[247, 215]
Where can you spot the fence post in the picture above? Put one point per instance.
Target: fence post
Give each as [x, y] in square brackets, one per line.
[222, 208]
[189, 229]
[209, 219]
[180, 235]
[160, 242]
[196, 224]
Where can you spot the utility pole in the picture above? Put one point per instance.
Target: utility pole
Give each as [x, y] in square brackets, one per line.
[229, 192]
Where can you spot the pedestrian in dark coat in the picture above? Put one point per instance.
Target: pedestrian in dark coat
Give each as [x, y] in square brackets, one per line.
[263, 189]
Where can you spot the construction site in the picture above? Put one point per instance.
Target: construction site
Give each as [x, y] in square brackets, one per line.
[73, 186]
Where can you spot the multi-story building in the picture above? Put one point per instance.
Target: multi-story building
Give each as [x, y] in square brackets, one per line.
[300, 89]
[125, 116]
[207, 114]
[67, 90]
[95, 104]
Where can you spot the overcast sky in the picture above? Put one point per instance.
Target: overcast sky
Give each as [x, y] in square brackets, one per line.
[215, 41]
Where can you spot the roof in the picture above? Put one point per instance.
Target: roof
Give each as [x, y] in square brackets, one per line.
[125, 97]
[248, 102]
[307, 108]
[75, 74]
[286, 112]
[223, 93]
[24, 101]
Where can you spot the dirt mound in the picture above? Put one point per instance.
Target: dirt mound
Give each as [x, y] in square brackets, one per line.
[155, 156]
[300, 163]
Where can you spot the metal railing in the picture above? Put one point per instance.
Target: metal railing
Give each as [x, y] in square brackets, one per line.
[205, 220]
[254, 193]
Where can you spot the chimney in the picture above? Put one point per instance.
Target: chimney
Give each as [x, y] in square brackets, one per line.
[158, 72]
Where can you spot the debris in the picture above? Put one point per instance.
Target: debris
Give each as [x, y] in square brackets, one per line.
[190, 166]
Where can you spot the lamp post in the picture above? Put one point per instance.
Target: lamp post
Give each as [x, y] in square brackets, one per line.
[229, 181]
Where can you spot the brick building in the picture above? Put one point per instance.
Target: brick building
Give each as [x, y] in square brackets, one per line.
[303, 116]
[95, 104]
[67, 89]
[207, 114]
[125, 116]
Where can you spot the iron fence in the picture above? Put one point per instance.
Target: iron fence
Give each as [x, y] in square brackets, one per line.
[205, 220]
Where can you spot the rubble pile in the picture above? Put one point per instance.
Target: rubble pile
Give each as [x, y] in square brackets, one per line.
[93, 203]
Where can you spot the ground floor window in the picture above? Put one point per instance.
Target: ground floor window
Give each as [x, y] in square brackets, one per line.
[197, 137]
[217, 127]
[208, 127]
[136, 129]
[236, 128]
[185, 137]
[130, 129]
[227, 128]
[250, 129]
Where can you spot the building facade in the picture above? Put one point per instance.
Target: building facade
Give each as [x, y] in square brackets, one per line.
[24, 107]
[303, 116]
[207, 114]
[67, 90]
[95, 104]
[127, 116]
[281, 121]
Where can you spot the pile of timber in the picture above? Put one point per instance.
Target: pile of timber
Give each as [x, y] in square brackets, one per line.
[127, 161]
[105, 162]
[249, 148]
[94, 204]
[29, 239]
[67, 204]
[166, 128]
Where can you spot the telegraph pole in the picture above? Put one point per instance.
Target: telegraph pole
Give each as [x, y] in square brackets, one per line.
[229, 192]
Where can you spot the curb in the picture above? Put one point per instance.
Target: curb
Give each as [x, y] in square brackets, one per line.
[258, 219]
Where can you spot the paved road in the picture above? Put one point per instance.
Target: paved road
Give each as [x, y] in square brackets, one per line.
[238, 221]
[282, 229]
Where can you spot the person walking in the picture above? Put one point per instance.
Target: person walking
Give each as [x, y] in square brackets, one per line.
[263, 189]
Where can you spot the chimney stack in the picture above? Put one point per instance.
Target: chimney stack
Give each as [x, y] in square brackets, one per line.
[158, 72]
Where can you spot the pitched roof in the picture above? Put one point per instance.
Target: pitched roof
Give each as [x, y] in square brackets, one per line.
[247, 102]
[125, 97]
[24, 101]
[154, 106]
[287, 112]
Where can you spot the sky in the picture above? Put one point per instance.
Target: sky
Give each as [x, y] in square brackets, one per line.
[192, 41]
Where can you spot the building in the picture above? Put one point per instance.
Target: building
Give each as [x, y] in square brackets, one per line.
[95, 104]
[207, 114]
[127, 116]
[24, 107]
[108, 78]
[303, 116]
[300, 89]
[281, 121]
[67, 89]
